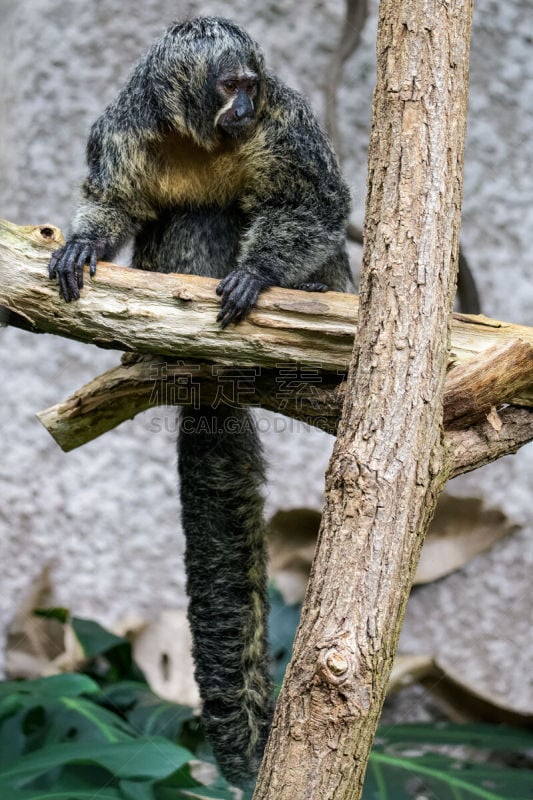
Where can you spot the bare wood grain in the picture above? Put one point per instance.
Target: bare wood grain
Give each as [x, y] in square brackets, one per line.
[143, 382]
[488, 381]
[175, 315]
[485, 442]
[498, 375]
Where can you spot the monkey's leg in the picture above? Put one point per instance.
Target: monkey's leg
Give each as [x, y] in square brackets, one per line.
[191, 241]
[221, 472]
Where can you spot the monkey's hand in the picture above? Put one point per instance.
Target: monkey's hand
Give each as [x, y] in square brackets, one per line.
[239, 292]
[66, 264]
[312, 287]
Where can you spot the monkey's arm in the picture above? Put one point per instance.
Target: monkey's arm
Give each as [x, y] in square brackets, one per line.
[110, 208]
[285, 246]
[98, 230]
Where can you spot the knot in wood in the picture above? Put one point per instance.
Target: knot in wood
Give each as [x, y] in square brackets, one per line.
[336, 663]
[47, 234]
[183, 294]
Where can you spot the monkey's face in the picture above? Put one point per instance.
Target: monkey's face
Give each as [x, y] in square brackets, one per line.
[237, 92]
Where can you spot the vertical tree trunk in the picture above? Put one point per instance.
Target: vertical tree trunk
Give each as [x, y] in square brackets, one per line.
[386, 470]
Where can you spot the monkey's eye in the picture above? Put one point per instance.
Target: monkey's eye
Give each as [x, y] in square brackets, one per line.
[230, 86]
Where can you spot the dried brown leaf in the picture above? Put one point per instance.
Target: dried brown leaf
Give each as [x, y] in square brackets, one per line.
[461, 529]
[292, 539]
[409, 669]
[162, 649]
[464, 702]
[460, 700]
[33, 642]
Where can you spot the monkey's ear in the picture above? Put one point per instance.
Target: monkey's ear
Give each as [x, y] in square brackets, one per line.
[258, 57]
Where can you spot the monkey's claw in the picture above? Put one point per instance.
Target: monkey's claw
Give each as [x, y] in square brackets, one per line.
[239, 292]
[312, 287]
[66, 265]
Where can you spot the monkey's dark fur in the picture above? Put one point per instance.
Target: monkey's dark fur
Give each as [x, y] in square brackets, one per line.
[216, 168]
[220, 479]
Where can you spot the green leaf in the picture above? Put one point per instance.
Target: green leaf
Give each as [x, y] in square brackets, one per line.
[12, 739]
[144, 758]
[94, 793]
[182, 786]
[413, 759]
[282, 624]
[198, 792]
[49, 720]
[483, 737]
[73, 778]
[156, 717]
[392, 777]
[94, 639]
[149, 714]
[92, 722]
[110, 657]
[208, 793]
[66, 685]
[122, 695]
[133, 790]
[60, 614]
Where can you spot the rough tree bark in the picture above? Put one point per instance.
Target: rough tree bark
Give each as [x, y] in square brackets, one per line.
[490, 362]
[474, 391]
[173, 315]
[388, 465]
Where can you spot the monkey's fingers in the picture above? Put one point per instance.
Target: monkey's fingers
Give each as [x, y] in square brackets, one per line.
[239, 301]
[66, 271]
[312, 287]
[230, 282]
[55, 258]
[228, 310]
[64, 291]
[226, 315]
[66, 265]
[80, 263]
[68, 268]
[92, 263]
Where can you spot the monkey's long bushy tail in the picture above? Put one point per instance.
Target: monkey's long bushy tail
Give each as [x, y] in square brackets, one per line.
[221, 472]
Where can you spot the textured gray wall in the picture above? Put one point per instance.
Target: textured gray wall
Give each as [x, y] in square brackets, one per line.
[106, 516]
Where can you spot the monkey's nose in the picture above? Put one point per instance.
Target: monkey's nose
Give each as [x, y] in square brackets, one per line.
[242, 109]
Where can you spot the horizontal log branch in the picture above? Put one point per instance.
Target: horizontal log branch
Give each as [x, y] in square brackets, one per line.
[172, 315]
[296, 343]
[142, 382]
[497, 376]
[309, 395]
[503, 435]
[175, 315]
